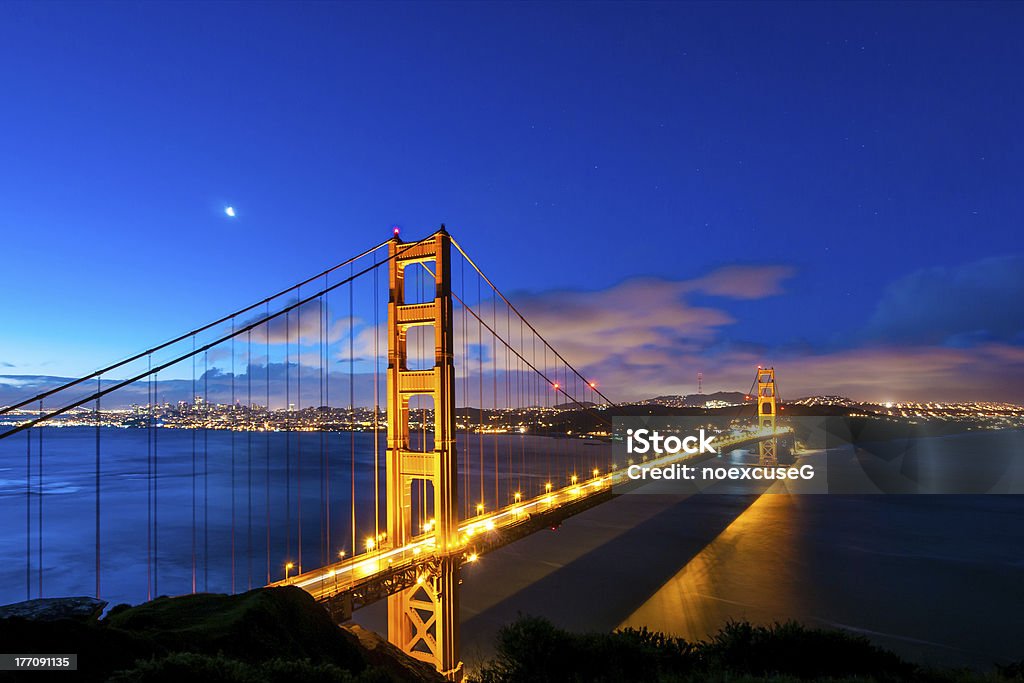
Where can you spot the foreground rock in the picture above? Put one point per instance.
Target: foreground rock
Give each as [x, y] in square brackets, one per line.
[265, 634]
[50, 609]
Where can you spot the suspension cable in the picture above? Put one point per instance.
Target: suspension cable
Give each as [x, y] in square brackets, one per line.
[206, 347]
[180, 338]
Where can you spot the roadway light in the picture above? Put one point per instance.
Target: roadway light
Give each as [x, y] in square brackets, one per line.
[370, 544]
[479, 508]
[473, 557]
[574, 478]
[287, 568]
[341, 554]
[518, 496]
[547, 487]
[596, 471]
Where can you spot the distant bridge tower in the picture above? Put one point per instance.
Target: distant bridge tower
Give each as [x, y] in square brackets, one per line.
[700, 382]
[766, 409]
[424, 620]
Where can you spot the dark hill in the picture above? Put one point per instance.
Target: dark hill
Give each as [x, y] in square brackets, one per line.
[267, 634]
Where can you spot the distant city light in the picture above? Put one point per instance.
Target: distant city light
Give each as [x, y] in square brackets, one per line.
[230, 211]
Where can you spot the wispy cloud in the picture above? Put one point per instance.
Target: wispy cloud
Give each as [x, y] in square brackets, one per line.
[645, 337]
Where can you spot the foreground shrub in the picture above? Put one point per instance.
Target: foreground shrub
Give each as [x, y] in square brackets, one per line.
[533, 650]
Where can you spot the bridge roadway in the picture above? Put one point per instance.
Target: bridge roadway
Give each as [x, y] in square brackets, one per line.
[373, 575]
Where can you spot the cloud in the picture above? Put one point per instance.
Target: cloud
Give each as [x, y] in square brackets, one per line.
[302, 323]
[960, 306]
[743, 282]
[934, 373]
[938, 334]
[644, 322]
[4, 364]
[643, 338]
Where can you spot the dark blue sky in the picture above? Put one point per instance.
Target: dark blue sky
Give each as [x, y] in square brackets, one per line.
[872, 151]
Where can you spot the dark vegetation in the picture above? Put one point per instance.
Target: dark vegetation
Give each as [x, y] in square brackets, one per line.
[532, 650]
[278, 635]
[264, 636]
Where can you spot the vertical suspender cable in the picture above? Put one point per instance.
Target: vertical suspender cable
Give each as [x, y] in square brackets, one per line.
[480, 384]
[156, 528]
[298, 431]
[266, 473]
[149, 483]
[39, 545]
[231, 427]
[194, 427]
[206, 471]
[288, 435]
[248, 448]
[465, 388]
[99, 385]
[28, 514]
[494, 386]
[351, 409]
[325, 522]
[376, 401]
[329, 416]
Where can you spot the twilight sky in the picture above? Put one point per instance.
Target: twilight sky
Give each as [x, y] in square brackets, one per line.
[833, 189]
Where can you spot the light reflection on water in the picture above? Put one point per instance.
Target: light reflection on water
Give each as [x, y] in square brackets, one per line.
[937, 578]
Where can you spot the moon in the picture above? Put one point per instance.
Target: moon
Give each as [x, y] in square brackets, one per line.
[230, 211]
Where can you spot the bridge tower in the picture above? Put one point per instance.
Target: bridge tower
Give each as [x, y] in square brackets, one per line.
[766, 410]
[424, 620]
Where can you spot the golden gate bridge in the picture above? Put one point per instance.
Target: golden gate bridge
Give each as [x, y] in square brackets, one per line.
[362, 435]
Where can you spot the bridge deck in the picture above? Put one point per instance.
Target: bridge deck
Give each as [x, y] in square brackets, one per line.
[358, 581]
